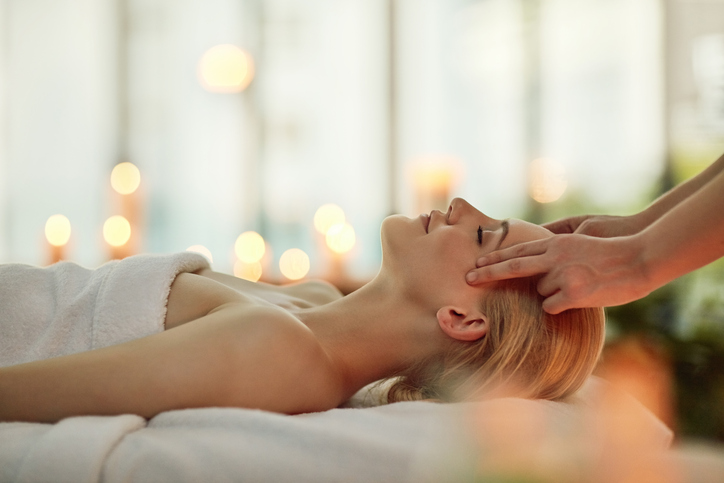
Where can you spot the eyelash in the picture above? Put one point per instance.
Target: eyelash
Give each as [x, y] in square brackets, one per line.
[480, 235]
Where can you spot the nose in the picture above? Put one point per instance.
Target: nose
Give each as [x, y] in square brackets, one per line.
[461, 208]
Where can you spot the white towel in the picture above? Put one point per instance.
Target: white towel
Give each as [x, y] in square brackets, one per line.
[71, 451]
[65, 308]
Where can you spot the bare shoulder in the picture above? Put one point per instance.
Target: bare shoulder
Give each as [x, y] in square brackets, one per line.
[281, 365]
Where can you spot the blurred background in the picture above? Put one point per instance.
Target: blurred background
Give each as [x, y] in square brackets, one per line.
[275, 135]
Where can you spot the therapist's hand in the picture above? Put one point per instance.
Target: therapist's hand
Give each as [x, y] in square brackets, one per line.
[602, 226]
[579, 270]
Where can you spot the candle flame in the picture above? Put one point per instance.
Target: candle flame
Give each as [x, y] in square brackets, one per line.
[116, 231]
[249, 247]
[294, 264]
[57, 230]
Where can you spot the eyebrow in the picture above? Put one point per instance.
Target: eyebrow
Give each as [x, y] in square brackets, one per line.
[505, 226]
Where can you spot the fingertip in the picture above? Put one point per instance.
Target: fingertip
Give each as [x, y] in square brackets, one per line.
[551, 307]
[471, 276]
[482, 261]
[552, 310]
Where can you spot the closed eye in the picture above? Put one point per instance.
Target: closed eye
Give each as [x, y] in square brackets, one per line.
[480, 235]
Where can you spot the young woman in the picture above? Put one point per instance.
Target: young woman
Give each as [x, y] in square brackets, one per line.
[304, 347]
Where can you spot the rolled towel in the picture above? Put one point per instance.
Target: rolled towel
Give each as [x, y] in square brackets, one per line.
[65, 308]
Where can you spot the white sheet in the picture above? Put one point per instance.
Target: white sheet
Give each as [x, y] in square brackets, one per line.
[404, 442]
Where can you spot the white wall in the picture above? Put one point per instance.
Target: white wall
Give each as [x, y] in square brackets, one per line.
[464, 88]
[190, 144]
[60, 104]
[3, 132]
[312, 128]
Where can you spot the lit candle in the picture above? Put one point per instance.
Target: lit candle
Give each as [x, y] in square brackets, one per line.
[433, 180]
[294, 264]
[547, 180]
[125, 181]
[252, 255]
[325, 218]
[57, 234]
[116, 232]
[340, 239]
[226, 69]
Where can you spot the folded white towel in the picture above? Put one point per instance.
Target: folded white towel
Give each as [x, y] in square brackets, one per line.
[73, 450]
[65, 308]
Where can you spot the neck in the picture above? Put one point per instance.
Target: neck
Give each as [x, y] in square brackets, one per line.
[373, 333]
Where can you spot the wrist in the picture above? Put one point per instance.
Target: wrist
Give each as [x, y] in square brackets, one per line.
[647, 261]
[641, 220]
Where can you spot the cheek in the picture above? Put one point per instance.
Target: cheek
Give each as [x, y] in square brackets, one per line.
[454, 253]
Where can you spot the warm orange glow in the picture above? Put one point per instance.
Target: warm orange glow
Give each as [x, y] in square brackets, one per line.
[201, 250]
[57, 230]
[248, 271]
[327, 216]
[249, 247]
[341, 238]
[433, 177]
[125, 178]
[226, 69]
[116, 231]
[547, 180]
[294, 264]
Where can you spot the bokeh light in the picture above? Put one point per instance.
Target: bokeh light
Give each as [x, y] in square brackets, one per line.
[201, 250]
[547, 180]
[249, 247]
[116, 231]
[294, 264]
[341, 238]
[125, 178]
[57, 230]
[433, 177]
[248, 271]
[225, 68]
[327, 216]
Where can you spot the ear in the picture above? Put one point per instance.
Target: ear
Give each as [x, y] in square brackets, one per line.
[462, 325]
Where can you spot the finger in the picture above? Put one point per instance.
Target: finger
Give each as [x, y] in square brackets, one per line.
[564, 225]
[528, 249]
[514, 268]
[548, 285]
[556, 303]
[559, 226]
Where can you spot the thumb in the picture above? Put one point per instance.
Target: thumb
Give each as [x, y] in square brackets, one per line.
[556, 303]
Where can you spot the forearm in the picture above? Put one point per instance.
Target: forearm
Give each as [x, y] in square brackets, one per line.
[688, 236]
[669, 200]
[238, 355]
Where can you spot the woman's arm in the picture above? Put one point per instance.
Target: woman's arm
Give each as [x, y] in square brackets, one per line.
[235, 356]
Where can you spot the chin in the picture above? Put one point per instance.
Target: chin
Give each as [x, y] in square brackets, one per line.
[394, 232]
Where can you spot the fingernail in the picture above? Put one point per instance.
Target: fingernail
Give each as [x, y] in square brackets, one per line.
[481, 261]
[471, 277]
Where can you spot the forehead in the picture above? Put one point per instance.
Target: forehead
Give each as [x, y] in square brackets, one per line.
[520, 231]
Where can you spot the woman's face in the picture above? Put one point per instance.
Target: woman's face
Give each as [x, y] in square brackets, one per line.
[431, 254]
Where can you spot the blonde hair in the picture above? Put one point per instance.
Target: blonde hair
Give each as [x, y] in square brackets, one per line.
[526, 352]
